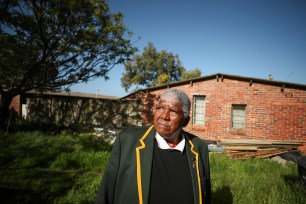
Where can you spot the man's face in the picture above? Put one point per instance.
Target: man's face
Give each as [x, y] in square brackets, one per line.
[168, 117]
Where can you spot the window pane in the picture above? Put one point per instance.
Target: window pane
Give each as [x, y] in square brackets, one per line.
[199, 110]
[239, 116]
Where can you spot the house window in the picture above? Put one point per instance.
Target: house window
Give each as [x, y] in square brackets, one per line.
[198, 117]
[238, 116]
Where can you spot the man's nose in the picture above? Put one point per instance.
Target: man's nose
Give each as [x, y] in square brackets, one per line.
[165, 114]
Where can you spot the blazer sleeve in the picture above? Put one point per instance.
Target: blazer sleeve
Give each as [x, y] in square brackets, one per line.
[106, 190]
[207, 192]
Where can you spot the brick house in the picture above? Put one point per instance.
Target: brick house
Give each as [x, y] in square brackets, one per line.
[235, 107]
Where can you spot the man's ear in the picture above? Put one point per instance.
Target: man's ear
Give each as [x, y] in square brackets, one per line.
[186, 121]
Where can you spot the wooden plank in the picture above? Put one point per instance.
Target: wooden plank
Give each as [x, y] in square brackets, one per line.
[258, 154]
[258, 142]
[272, 154]
[240, 148]
[267, 149]
[242, 142]
[244, 149]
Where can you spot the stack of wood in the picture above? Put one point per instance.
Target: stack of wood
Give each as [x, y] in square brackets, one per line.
[245, 149]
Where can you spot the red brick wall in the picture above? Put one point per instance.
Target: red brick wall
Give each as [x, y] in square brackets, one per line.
[271, 114]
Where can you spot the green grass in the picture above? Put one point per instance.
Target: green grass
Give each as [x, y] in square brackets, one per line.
[255, 181]
[39, 168]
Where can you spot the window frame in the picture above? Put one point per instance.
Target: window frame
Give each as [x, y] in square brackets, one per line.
[234, 123]
[195, 112]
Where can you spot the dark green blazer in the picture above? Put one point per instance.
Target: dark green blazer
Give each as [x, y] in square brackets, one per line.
[127, 176]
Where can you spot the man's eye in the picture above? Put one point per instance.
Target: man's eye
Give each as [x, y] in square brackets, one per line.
[173, 112]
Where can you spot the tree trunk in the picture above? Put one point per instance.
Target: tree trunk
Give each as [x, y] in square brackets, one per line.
[5, 101]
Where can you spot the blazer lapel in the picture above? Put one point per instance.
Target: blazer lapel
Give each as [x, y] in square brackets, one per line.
[144, 156]
[193, 158]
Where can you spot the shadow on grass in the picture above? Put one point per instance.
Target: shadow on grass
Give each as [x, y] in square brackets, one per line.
[296, 184]
[222, 196]
[34, 186]
[9, 195]
[21, 196]
[28, 173]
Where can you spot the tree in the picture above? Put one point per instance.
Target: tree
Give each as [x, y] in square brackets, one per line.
[191, 74]
[162, 79]
[48, 44]
[151, 68]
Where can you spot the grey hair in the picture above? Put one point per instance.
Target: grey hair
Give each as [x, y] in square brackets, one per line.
[180, 96]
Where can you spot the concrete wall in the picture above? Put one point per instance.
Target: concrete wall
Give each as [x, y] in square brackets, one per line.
[83, 112]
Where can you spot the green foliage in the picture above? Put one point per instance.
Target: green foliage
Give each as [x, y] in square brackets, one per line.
[190, 74]
[35, 185]
[151, 68]
[78, 194]
[81, 161]
[162, 79]
[254, 181]
[46, 45]
[37, 167]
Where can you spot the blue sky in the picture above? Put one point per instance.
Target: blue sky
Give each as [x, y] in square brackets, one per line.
[251, 38]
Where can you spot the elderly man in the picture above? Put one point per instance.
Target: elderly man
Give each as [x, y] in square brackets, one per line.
[159, 164]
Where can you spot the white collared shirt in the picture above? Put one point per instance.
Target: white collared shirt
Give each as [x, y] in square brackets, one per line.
[162, 144]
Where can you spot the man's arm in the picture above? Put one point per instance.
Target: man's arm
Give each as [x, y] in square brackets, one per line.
[207, 176]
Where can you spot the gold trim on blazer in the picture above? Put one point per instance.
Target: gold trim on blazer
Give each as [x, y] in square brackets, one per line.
[139, 184]
[197, 168]
[138, 165]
